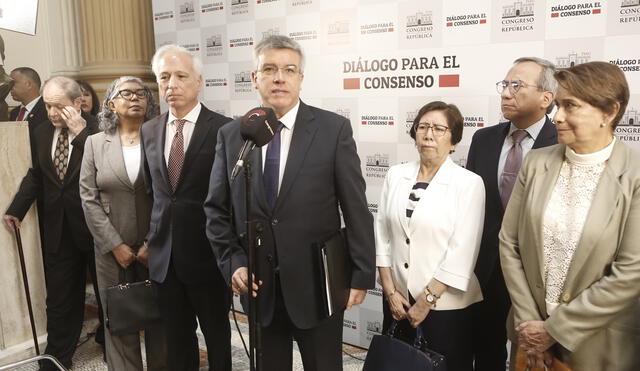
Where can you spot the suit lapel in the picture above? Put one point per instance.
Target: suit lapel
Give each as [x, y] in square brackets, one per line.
[493, 159]
[605, 201]
[160, 131]
[540, 193]
[115, 158]
[48, 169]
[408, 180]
[200, 134]
[303, 133]
[547, 136]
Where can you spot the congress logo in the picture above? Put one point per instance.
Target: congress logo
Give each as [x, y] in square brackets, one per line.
[213, 46]
[419, 25]
[628, 130]
[629, 11]
[270, 32]
[377, 165]
[572, 58]
[518, 16]
[239, 7]
[242, 82]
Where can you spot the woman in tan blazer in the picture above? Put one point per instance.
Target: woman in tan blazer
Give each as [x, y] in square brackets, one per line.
[117, 209]
[570, 239]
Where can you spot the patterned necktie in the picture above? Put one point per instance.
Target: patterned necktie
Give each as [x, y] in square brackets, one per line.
[271, 173]
[23, 112]
[61, 154]
[176, 155]
[512, 166]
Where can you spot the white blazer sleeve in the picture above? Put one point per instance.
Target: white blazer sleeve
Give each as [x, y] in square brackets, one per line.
[383, 234]
[457, 267]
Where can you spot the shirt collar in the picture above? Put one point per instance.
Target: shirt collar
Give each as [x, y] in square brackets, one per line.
[532, 130]
[192, 116]
[289, 118]
[32, 104]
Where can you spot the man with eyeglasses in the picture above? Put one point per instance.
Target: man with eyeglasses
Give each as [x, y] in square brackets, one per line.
[301, 180]
[58, 146]
[179, 149]
[496, 154]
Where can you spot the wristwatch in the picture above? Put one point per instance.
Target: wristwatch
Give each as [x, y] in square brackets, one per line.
[431, 297]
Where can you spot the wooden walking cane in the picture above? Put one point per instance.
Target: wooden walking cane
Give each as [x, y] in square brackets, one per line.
[25, 281]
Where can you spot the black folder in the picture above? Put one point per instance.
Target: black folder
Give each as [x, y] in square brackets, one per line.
[334, 263]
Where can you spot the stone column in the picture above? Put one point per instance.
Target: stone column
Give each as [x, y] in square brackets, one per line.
[117, 40]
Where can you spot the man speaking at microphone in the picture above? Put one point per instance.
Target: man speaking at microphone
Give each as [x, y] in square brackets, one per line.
[307, 173]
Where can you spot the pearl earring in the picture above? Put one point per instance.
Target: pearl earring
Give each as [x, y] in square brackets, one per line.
[603, 124]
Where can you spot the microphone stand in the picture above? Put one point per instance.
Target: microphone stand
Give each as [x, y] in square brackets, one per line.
[253, 242]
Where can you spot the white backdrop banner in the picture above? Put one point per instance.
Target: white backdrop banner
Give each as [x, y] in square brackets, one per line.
[377, 62]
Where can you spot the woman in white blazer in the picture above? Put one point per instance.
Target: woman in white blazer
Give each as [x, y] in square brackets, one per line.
[429, 226]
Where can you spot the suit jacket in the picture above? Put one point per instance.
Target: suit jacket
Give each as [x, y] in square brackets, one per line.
[598, 320]
[483, 158]
[36, 116]
[322, 171]
[177, 227]
[442, 238]
[116, 211]
[61, 199]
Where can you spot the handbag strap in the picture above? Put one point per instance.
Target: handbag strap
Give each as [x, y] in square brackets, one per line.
[419, 342]
[122, 274]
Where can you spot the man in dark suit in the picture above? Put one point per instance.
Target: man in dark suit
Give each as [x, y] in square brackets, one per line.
[527, 94]
[308, 173]
[179, 148]
[68, 246]
[26, 90]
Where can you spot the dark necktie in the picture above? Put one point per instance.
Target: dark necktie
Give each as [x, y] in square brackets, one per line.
[176, 155]
[271, 173]
[512, 166]
[61, 154]
[23, 112]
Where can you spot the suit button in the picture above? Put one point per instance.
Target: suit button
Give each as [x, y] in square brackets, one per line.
[407, 241]
[566, 297]
[406, 265]
[269, 258]
[274, 222]
[173, 198]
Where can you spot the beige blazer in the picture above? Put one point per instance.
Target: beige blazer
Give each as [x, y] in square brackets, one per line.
[116, 211]
[597, 323]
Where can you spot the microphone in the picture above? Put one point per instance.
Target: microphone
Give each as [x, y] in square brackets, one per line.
[257, 128]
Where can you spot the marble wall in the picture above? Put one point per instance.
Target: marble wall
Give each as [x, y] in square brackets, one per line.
[15, 328]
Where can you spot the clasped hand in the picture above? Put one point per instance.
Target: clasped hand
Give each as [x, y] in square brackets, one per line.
[401, 309]
[534, 339]
[125, 256]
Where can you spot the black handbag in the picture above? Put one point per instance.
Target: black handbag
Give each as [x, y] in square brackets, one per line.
[387, 353]
[131, 307]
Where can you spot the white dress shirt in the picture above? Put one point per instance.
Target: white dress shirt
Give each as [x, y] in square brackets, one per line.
[526, 144]
[288, 120]
[187, 130]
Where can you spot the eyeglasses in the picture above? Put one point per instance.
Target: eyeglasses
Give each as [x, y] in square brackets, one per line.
[438, 130]
[513, 86]
[128, 94]
[271, 70]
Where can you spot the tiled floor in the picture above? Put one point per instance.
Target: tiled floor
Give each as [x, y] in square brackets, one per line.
[88, 356]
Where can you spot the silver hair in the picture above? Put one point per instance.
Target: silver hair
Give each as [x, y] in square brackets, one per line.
[196, 62]
[70, 87]
[278, 42]
[108, 120]
[546, 81]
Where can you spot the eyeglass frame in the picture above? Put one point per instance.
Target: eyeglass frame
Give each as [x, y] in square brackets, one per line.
[502, 84]
[133, 92]
[277, 69]
[433, 129]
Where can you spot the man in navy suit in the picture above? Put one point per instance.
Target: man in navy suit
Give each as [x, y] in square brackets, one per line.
[298, 192]
[179, 148]
[526, 96]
